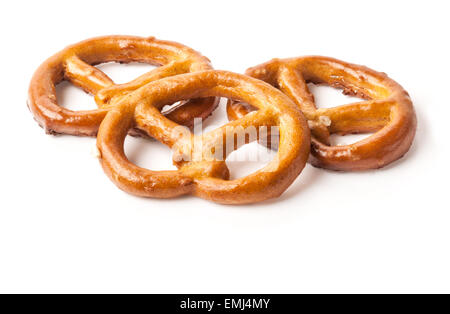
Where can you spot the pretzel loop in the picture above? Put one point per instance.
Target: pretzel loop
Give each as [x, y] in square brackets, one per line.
[76, 64]
[206, 175]
[387, 111]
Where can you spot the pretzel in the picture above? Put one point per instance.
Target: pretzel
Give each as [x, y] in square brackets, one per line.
[76, 64]
[387, 111]
[208, 176]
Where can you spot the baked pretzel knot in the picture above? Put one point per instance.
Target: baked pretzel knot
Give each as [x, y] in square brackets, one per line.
[76, 64]
[388, 110]
[206, 174]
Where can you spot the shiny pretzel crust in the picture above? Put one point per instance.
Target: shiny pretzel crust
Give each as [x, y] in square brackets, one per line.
[76, 64]
[388, 110]
[208, 179]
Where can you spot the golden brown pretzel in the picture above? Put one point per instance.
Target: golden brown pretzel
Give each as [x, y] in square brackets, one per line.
[207, 176]
[76, 64]
[388, 110]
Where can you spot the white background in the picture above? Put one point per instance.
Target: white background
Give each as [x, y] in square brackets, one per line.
[64, 227]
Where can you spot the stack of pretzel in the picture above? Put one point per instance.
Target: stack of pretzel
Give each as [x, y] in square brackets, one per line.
[274, 94]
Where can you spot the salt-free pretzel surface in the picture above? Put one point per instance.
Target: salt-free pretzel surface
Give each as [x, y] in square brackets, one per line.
[388, 110]
[207, 176]
[76, 64]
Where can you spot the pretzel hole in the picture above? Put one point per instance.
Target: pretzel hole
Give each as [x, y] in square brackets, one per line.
[249, 159]
[327, 97]
[148, 153]
[217, 119]
[124, 72]
[342, 140]
[168, 108]
[73, 98]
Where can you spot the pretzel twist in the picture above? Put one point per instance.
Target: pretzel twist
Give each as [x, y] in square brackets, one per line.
[76, 64]
[208, 176]
[388, 110]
